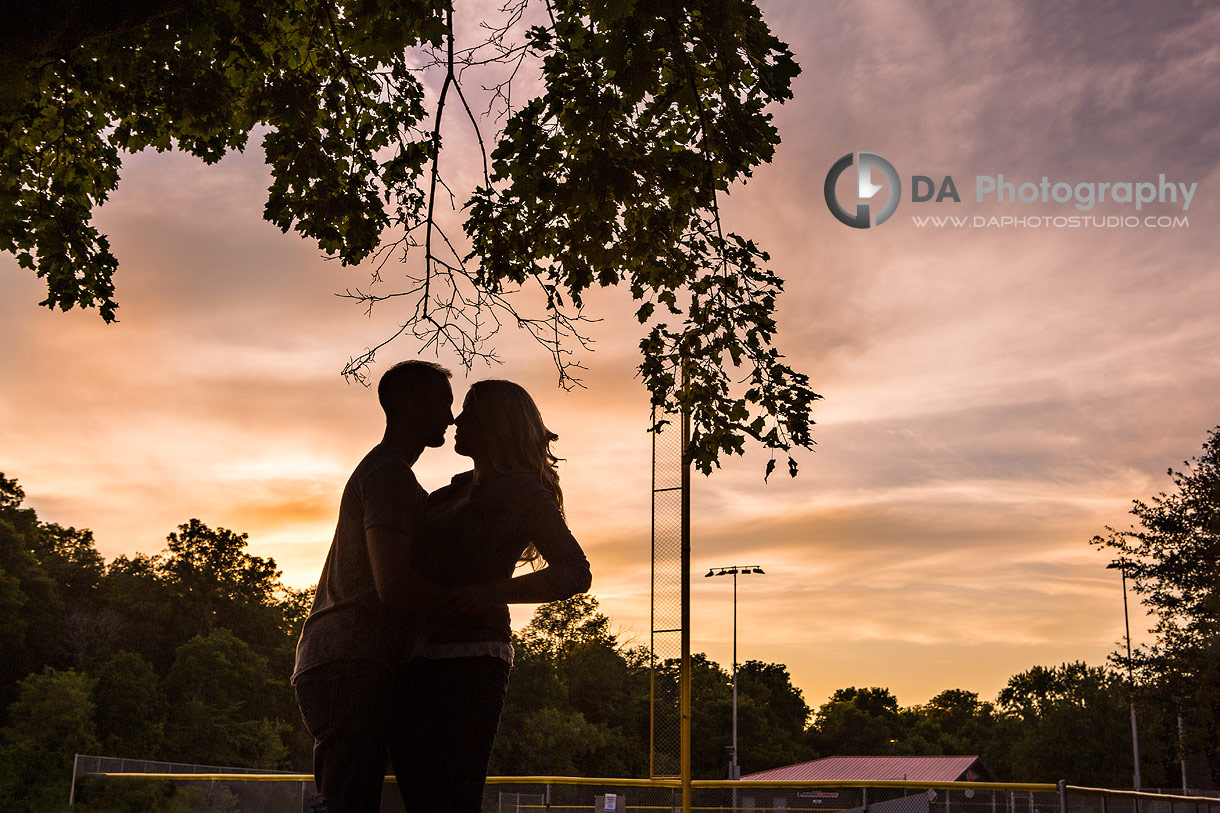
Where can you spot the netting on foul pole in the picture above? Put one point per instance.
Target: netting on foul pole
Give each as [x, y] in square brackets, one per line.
[666, 641]
[670, 638]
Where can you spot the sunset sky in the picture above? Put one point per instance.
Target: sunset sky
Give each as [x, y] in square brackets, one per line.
[993, 396]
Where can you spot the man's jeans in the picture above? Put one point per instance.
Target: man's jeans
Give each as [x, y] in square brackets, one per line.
[345, 705]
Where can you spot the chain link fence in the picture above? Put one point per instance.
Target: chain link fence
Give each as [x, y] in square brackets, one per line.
[107, 784]
[114, 784]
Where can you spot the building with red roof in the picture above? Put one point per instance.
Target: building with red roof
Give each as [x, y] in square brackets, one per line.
[872, 769]
[858, 797]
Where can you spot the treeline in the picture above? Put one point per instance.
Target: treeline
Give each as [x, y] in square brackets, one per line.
[181, 656]
[579, 704]
[185, 656]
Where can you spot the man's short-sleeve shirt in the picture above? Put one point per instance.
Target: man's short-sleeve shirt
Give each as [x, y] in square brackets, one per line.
[347, 620]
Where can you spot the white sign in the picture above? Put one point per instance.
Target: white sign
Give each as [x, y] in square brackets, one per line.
[611, 802]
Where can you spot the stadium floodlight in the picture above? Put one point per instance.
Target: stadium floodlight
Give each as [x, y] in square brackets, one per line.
[1121, 565]
[734, 570]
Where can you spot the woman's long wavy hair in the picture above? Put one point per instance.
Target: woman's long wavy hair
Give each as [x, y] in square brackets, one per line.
[514, 435]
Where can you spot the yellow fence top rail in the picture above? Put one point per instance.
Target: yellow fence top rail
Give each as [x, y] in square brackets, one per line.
[1140, 794]
[584, 780]
[659, 783]
[215, 777]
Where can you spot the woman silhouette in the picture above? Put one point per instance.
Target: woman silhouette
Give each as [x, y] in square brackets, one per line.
[508, 510]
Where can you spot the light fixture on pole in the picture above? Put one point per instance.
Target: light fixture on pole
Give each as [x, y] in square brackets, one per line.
[733, 570]
[1121, 566]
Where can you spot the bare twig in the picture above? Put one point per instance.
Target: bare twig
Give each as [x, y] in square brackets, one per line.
[454, 307]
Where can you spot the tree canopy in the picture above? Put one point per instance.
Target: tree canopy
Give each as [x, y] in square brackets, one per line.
[1056, 704]
[1172, 557]
[610, 175]
[183, 655]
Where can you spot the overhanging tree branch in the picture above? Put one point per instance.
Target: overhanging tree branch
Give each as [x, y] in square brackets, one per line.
[609, 176]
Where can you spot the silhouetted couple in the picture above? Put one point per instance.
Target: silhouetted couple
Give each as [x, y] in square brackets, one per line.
[406, 650]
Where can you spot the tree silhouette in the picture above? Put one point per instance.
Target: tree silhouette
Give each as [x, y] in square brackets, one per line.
[1172, 558]
[610, 175]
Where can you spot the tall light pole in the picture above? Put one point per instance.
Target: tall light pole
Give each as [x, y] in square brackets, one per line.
[733, 570]
[1121, 566]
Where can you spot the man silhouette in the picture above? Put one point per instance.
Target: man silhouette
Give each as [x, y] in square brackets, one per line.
[367, 596]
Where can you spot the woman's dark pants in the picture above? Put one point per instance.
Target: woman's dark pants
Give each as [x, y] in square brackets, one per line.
[440, 743]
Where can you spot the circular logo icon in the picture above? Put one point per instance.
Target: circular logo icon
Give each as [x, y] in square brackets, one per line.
[865, 190]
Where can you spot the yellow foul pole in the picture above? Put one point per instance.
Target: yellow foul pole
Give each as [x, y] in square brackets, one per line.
[684, 672]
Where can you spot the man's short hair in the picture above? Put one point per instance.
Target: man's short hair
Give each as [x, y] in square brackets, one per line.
[409, 379]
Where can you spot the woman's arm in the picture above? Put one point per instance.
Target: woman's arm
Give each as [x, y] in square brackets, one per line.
[529, 588]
